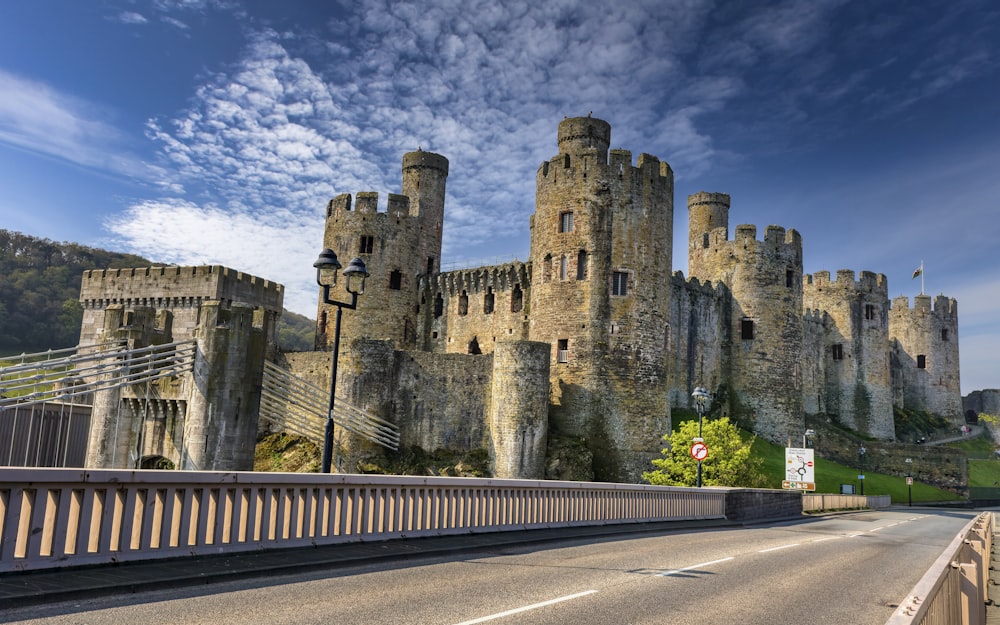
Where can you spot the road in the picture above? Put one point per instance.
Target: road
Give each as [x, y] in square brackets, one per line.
[839, 570]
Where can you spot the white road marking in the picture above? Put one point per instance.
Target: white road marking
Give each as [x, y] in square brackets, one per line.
[527, 608]
[696, 566]
[777, 548]
[819, 540]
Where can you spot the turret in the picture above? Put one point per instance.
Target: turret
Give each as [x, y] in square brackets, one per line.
[707, 213]
[424, 178]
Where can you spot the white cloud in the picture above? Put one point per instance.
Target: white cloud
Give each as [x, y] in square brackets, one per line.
[131, 17]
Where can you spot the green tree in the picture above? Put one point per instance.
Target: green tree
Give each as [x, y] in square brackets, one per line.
[729, 461]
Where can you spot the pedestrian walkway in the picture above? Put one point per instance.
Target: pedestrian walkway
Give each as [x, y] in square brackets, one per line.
[33, 588]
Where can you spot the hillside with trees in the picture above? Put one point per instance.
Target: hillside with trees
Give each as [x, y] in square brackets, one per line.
[40, 290]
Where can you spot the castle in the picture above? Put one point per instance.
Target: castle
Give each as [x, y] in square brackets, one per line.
[596, 338]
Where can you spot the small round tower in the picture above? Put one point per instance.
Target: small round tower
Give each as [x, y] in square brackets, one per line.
[424, 178]
[708, 218]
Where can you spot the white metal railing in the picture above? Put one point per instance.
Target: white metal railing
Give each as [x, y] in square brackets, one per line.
[301, 407]
[953, 591]
[812, 502]
[66, 517]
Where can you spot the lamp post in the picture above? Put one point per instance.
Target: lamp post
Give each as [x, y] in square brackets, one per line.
[701, 398]
[909, 481]
[805, 437]
[355, 273]
[861, 464]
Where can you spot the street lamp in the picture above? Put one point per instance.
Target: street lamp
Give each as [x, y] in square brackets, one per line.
[701, 398]
[328, 265]
[909, 481]
[861, 463]
[805, 437]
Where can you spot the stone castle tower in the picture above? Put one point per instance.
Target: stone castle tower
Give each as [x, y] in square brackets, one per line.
[202, 420]
[601, 245]
[925, 355]
[849, 376]
[764, 278]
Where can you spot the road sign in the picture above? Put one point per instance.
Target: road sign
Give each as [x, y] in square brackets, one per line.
[909, 481]
[800, 470]
[794, 485]
[699, 451]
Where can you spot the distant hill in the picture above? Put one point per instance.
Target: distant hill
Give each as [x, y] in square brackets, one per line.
[40, 291]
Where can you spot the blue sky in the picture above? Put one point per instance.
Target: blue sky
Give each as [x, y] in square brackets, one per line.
[215, 131]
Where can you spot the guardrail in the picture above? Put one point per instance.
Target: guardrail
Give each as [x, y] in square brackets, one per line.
[66, 517]
[816, 502]
[953, 591]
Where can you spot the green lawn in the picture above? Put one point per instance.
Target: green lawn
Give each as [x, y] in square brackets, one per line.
[830, 475]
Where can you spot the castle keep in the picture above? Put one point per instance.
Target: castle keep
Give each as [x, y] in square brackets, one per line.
[596, 338]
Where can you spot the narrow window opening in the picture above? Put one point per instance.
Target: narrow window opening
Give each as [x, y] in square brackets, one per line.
[704, 240]
[581, 265]
[516, 299]
[563, 267]
[838, 351]
[474, 346]
[430, 264]
[395, 279]
[921, 362]
[367, 244]
[619, 283]
[789, 278]
[547, 268]
[944, 334]
[434, 335]
[746, 329]
[438, 306]
[566, 162]
[562, 350]
[869, 311]
[488, 301]
[463, 304]
[566, 221]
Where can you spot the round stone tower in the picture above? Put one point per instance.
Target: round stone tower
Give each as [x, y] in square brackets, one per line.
[925, 355]
[601, 252]
[708, 216]
[397, 246]
[853, 375]
[765, 334]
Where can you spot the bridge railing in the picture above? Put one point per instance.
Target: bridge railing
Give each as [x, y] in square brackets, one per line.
[67, 517]
[953, 591]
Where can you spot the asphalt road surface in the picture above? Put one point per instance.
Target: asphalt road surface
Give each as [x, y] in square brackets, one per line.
[839, 570]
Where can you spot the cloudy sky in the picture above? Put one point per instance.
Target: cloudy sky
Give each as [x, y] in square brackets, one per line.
[215, 131]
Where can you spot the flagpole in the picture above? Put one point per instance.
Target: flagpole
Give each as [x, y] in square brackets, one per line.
[921, 277]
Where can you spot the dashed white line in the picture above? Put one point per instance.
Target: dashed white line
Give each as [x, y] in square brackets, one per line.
[696, 566]
[777, 548]
[526, 608]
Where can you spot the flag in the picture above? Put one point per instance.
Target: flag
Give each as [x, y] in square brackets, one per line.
[917, 272]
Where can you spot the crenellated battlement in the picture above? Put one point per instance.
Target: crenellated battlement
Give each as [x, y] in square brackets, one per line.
[498, 277]
[693, 284]
[367, 202]
[175, 286]
[943, 306]
[870, 283]
[745, 244]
